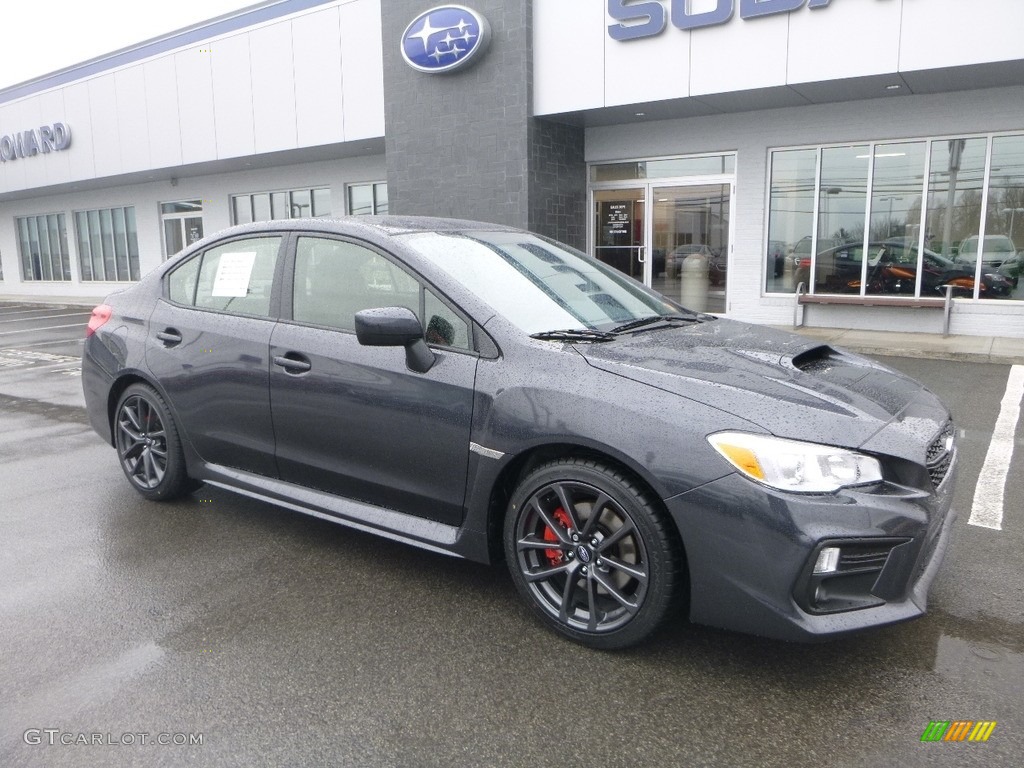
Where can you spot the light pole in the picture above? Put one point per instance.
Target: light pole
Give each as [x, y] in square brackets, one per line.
[1011, 211]
[888, 223]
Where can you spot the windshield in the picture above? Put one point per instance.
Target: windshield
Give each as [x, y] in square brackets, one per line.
[538, 284]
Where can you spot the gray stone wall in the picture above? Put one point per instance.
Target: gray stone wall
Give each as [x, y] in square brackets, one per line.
[465, 144]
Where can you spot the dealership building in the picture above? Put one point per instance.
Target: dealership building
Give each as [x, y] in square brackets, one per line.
[843, 162]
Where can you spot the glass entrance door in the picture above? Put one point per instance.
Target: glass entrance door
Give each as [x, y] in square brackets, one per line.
[690, 244]
[183, 225]
[620, 229]
[681, 249]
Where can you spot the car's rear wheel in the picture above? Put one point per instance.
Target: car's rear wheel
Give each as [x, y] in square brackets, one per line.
[591, 552]
[148, 445]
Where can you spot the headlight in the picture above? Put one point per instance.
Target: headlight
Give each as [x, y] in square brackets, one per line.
[790, 465]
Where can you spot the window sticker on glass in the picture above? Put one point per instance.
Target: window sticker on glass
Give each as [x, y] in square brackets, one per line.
[233, 273]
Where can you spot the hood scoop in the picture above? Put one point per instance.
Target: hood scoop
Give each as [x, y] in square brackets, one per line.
[818, 359]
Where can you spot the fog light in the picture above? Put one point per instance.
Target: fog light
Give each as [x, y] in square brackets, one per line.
[828, 560]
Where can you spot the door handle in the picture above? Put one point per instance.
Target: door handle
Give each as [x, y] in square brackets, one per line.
[641, 254]
[293, 364]
[170, 337]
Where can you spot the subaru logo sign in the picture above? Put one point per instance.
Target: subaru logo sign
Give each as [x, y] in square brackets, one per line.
[445, 39]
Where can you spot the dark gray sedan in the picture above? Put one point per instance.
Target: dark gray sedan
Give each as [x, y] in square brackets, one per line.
[488, 393]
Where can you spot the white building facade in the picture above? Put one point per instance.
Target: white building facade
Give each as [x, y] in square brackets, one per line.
[729, 153]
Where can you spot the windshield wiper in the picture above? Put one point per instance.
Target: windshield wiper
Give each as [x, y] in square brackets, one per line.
[642, 321]
[574, 334]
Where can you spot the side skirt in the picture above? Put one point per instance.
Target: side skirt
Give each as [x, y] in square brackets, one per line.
[408, 529]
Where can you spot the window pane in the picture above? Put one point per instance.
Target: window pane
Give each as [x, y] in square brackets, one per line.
[96, 245]
[321, 202]
[120, 244]
[842, 200]
[790, 219]
[183, 206]
[238, 276]
[690, 166]
[261, 207]
[896, 221]
[617, 172]
[302, 204]
[443, 326]
[38, 257]
[1004, 222]
[107, 232]
[132, 238]
[279, 205]
[335, 279]
[82, 231]
[360, 199]
[181, 285]
[954, 196]
[241, 209]
[380, 192]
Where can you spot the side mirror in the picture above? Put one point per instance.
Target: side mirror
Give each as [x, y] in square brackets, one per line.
[395, 327]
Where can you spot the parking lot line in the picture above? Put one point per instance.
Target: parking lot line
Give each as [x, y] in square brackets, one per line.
[44, 317]
[47, 328]
[987, 509]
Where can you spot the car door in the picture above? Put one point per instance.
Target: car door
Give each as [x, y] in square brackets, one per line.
[355, 421]
[208, 346]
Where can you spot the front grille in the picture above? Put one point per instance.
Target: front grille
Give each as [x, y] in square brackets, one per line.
[939, 457]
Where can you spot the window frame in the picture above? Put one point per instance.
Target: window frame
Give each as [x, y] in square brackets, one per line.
[872, 145]
[61, 219]
[274, 310]
[286, 314]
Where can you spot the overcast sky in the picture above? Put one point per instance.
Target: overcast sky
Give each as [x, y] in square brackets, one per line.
[37, 38]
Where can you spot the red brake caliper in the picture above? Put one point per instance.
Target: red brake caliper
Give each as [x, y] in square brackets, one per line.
[553, 555]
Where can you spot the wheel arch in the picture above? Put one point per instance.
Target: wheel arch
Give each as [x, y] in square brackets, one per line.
[515, 470]
[117, 389]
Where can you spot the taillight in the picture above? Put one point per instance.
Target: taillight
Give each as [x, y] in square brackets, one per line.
[100, 315]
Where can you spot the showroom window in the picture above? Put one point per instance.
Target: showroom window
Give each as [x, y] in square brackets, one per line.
[289, 204]
[368, 199]
[908, 218]
[108, 244]
[43, 247]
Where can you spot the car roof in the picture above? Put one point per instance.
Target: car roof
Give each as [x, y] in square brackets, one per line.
[389, 225]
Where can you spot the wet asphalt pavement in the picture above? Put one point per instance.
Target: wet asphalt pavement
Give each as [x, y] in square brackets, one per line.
[278, 639]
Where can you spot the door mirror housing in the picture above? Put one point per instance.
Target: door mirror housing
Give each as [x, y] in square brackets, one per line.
[395, 327]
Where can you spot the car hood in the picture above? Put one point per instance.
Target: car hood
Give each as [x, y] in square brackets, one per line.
[786, 384]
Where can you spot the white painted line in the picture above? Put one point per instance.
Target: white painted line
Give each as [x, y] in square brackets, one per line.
[46, 317]
[47, 328]
[987, 509]
[77, 342]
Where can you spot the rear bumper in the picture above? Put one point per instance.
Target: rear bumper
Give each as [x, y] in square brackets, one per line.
[751, 553]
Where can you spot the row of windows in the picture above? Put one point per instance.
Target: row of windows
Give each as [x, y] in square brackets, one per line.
[108, 245]
[334, 279]
[108, 242]
[363, 199]
[901, 218]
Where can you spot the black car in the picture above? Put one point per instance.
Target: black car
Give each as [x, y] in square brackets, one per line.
[488, 393]
[892, 269]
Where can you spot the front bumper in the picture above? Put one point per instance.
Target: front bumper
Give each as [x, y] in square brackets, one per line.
[750, 552]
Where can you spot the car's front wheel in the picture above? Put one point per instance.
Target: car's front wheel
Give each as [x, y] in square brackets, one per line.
[591, 552]
[148, 445]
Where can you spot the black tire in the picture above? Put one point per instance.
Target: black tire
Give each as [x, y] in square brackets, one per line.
[148, 445]
[592, 553]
